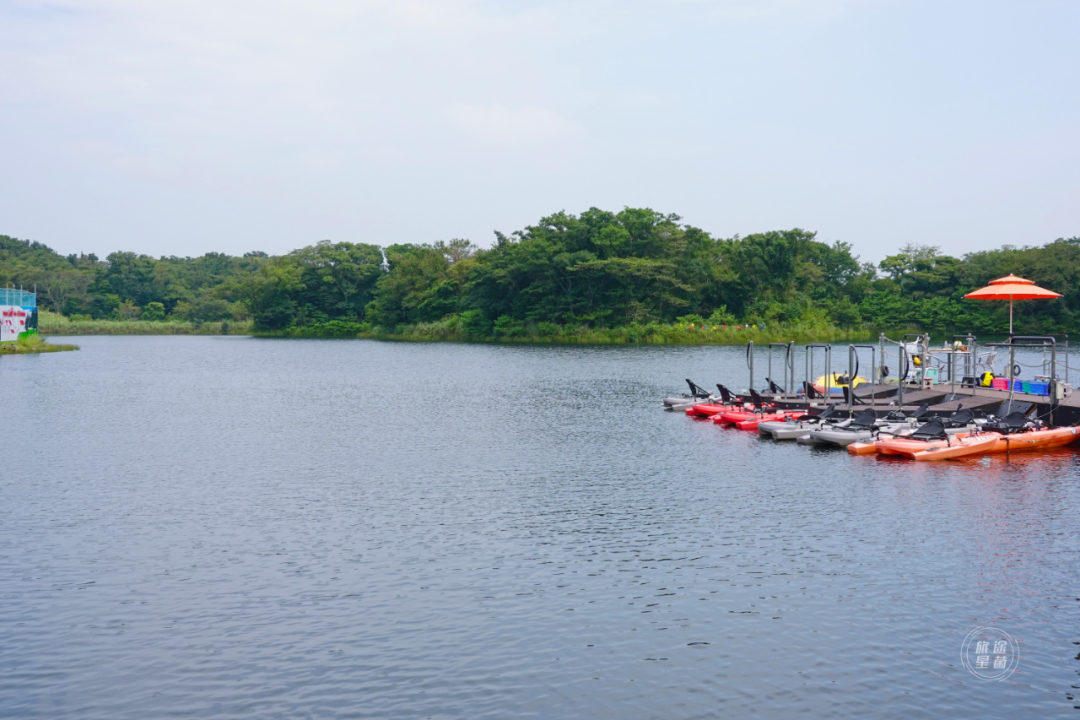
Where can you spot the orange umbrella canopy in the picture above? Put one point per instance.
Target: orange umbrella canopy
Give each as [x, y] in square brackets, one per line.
[1012, 288]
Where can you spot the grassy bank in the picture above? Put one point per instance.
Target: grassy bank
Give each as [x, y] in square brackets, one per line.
[56, 324]
[32, 344]
[453, 330]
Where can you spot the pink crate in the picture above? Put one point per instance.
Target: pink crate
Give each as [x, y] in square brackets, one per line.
[1000, 383]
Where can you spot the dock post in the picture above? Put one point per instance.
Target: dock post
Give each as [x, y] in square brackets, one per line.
[790, 362]
[902, 362]
[750, 361]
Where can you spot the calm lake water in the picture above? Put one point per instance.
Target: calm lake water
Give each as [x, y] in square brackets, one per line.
[225, 527]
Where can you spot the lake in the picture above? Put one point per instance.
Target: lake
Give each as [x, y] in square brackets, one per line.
[223, 527]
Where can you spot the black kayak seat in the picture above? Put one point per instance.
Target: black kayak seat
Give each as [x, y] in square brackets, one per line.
[696, 390]
[725, 394]
[774, 388]
[826, 413]
[864, 420]
[1010, 423]
[849, 397]
[962, 417]
[920, 411]
[933, 430]
[756, 399]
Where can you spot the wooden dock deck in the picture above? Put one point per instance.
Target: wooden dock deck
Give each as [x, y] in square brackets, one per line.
[943, 400]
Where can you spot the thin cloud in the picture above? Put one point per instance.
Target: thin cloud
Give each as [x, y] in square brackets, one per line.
[500, 124]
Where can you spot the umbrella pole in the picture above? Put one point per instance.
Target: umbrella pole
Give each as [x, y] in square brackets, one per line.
[1010, 315]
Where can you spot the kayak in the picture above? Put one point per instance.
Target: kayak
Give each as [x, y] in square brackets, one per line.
[792, 428]
[730, 416]
[907, 446]
[1037, 439]
[697, 395]
[752, 423]
[979, 444]
[863, 447]
[794, 431]
[784, 429]
[860, 428]
[844, 436]
[684, 403]
[937, 433]
[710, 409]
[735, 417]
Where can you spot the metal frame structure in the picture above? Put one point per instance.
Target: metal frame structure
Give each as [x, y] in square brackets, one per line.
[789, 363]
[853, 371]
[828, 367]
[750, 361]
[1043, 342]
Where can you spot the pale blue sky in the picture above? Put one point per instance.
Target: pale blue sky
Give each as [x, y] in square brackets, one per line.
[181, 127]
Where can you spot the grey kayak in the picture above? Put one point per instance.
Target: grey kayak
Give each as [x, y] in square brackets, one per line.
[784, 430]
[697, 395]
[685, 403]
[795, 429]
[844, 436]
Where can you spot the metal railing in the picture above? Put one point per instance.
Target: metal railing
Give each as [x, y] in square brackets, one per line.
[810, 368]
[789, 364]
[853, 372]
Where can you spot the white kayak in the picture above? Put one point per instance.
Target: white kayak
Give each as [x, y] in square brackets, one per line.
[842, 436]
[860, 428]
[684, 402]
[793, 429]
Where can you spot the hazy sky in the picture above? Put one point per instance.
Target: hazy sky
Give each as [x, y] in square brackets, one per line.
[180, 127]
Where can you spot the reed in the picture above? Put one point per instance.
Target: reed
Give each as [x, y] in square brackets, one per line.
[56, 324]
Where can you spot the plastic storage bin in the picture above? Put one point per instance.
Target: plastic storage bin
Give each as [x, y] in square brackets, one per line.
[999, 384]
[1040, 388]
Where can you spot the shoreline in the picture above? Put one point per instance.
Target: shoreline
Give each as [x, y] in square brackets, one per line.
[33, 345]
[615, 336]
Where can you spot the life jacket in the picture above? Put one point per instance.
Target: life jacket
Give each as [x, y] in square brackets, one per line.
[987, 379]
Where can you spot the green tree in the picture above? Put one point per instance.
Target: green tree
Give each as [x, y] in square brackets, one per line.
[338, 278]
[268, 293]
[154, 311]
[423, 282]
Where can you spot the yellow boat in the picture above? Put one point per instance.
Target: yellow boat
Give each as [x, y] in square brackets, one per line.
[838, 381]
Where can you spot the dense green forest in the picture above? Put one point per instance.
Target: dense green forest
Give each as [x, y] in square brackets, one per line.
[634, 268]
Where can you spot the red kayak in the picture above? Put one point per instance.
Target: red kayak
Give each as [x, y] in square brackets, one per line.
[708, 409]
[734, 417]
[752, 423]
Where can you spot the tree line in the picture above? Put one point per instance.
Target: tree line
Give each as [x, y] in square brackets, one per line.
[598, 269]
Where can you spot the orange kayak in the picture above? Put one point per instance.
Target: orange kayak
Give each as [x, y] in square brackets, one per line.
[1037, 439]
[863, 448]
[971, 445]
[909, 446]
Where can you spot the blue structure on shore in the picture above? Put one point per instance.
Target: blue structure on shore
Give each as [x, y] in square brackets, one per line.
[18, 314]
